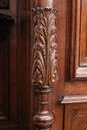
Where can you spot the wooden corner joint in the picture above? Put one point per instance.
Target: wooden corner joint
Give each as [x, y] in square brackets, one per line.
[45, 63]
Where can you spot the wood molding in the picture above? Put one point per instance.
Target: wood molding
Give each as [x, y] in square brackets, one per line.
[44, 68]
[73, 99]
[76, 58]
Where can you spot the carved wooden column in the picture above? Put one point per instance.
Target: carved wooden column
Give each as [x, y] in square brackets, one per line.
[45, 69]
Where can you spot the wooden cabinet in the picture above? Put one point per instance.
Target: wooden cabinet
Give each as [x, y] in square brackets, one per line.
[43, 64]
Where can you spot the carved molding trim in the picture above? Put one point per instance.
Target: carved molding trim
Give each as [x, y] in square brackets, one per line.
[45, 63]
[73, 99]
[45, 68]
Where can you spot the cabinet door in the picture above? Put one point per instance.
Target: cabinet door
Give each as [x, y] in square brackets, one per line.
[75, 74]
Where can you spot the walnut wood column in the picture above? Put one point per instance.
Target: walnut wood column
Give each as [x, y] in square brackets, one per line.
[44, 68]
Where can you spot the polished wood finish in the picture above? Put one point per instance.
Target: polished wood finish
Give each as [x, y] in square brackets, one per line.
[73, 99]
[76, 52]
[30, 66]
[44, 3]
[76, 119]
[45, 68]
[8, 70]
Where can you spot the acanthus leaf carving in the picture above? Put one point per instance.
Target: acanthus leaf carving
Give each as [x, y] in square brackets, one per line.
[39, 50]
[45, 63]
[53, 50]
[45, 68]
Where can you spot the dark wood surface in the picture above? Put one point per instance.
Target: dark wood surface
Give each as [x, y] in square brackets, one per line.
[4, 4]
[73, 99]
[44, 67]
[20, 57]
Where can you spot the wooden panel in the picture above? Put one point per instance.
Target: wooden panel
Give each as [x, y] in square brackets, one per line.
[76, 51]
[4, 4]
[8, 82]
[83, 34]
[79, 120]
[8, 71]
[73, 99]
[26, 93]
[76, 119]
[4, 78]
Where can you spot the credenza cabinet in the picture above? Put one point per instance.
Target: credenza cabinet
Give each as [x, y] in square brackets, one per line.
[43, 64]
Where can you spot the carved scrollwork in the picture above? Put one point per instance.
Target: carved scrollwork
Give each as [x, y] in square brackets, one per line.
[45, 68]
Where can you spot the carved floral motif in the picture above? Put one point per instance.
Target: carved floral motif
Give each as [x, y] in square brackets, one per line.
[45, 68]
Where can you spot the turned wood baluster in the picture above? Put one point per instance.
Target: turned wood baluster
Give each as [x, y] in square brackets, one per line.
[44, 68]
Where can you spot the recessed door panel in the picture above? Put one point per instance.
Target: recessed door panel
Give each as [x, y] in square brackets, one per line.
[76, 52]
